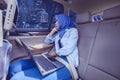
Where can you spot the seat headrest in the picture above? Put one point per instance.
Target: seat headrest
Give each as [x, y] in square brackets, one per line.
[83, 18]
[112, 13]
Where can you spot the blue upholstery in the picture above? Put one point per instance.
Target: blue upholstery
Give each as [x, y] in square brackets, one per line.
[27, 70]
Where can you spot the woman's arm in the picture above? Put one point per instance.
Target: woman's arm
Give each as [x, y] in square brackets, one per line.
[50, 38]
[71, 44]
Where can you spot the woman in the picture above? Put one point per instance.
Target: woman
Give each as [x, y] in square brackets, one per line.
[65, 36]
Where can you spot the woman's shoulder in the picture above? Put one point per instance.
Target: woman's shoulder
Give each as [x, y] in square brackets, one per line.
[70, 32]
[74, 30]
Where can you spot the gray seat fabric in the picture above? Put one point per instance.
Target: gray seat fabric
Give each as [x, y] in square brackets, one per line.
[104, 62]
[87, 33]
[87, 37]
[105, 55]
[99, 48]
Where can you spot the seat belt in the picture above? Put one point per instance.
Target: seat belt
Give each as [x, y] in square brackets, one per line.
[70, 66]
[73, 70]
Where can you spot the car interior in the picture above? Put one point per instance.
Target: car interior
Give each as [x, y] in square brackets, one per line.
[97, 21]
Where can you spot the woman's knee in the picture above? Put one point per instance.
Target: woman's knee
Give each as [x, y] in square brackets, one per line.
[29, 74]
[20, 65]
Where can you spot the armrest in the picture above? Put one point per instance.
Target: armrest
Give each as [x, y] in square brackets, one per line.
[36, 44]
[41, 48]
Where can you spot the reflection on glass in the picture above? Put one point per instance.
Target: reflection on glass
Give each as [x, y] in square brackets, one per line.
[32, 14]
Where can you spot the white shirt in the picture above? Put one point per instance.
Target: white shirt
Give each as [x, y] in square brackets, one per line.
[69, 44]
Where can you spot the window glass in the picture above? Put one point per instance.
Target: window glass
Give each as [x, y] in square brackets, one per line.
[36, 15]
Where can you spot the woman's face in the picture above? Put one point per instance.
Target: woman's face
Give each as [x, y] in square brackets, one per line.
[57, 25]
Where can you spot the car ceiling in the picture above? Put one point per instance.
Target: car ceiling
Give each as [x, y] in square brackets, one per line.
[94, 6]
[79, 6]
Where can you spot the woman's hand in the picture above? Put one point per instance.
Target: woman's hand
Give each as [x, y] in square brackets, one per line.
[53, 31]
[53, 54]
